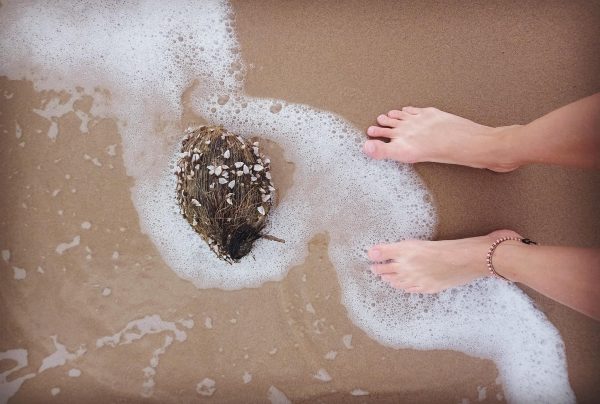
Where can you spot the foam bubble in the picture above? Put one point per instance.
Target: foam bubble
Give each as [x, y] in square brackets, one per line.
[147, 54]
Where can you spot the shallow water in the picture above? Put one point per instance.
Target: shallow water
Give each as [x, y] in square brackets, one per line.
[118, 132]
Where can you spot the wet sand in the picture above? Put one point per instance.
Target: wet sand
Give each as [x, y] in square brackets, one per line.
[498, 64]
[357, 60]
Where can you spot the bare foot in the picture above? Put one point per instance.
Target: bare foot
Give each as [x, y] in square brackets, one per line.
[418, 266]
[428, 134]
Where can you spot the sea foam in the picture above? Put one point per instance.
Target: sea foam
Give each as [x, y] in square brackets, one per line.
[148, 54]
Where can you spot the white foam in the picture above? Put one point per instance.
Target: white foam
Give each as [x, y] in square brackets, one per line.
[18, 131]
[150, 371]
[62, 247]
[61, 356]
[137, 329]
[206, 387]
[322, 375]
[331, 355]
[19, 273]
[336, 189]
[481, 393]
[246, 377]
[276, 396]
[10, 388]
[359, 392]
[347, 341]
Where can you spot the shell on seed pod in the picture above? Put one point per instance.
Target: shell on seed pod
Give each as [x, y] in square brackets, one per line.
[228, 212]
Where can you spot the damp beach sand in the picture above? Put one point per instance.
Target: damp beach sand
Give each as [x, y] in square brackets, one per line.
[93, 309]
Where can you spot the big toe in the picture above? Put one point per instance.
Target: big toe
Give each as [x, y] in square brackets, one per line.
[392, 150]
[378, 150]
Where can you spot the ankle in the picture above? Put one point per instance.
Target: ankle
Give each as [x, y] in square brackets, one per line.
[505, 257]
[505, 151]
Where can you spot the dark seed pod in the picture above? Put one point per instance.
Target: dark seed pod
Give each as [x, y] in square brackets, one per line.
[224, 189]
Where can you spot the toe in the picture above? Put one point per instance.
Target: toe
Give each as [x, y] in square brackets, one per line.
[394, 151]
[401, 115]
[378, 131]
[385, 269]
[384, 252]
[412, 110]
[385, 120]
[378, 150]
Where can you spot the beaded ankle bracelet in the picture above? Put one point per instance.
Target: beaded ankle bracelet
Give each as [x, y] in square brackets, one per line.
[495, 244]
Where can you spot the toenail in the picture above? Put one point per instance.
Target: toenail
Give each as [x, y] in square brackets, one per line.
[370, 130]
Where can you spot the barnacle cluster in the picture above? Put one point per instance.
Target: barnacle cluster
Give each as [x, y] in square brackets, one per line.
[224, 189]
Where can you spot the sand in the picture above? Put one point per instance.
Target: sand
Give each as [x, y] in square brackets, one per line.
[498, 64]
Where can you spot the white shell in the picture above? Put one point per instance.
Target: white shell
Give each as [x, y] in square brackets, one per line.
[253, 178]
[238, 164]
[246, 169]
[229, 201]
[265, 198]
[231, 184]
[261, 210]
[268, 175]
[239, 173]
[226, 154]
[195, 202]
[258, 167]
[222, 180]
[218, 170]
